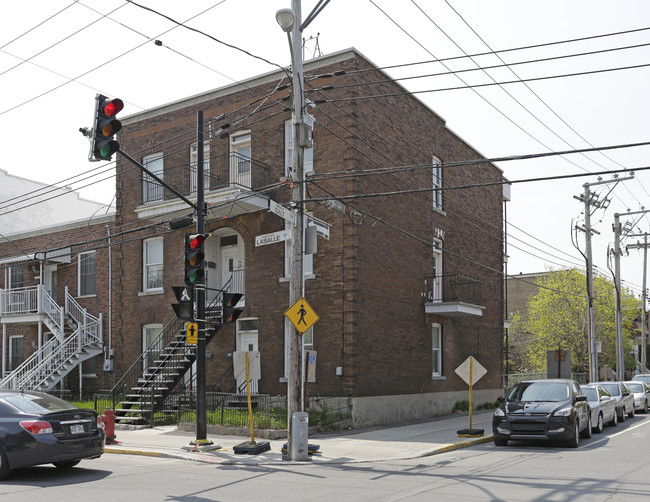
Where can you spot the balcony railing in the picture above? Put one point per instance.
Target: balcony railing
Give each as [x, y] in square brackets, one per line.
[231, 171]
[452, 294]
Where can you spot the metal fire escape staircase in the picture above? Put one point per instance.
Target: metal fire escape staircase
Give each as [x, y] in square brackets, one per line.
[77, 337]
[151, 383]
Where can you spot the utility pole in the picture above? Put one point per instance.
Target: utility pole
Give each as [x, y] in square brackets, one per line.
[591, 199]
[644, 297]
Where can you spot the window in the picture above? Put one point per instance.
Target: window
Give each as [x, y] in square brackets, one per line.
[151, 190]
[240, 159]
[15, 351]
[16, 278]
[151, 343]
[288, 147]
[193, 167]
[89, 367]
[87, 277]
[307, 259]
[437, 271]
[436, 171]
[153, 264]
[436, 350]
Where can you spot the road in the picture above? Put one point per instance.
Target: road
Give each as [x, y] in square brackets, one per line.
[612, 466]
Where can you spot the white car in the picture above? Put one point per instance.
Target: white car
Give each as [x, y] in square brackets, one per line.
[640, 392]
[603, 406]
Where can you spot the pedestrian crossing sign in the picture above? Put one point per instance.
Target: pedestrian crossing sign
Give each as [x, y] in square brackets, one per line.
[301, 315]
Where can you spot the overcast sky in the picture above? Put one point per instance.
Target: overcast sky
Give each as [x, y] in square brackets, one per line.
[55, 55]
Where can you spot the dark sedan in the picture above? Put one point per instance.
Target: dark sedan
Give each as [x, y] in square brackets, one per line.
[543, 409]
[36, 428]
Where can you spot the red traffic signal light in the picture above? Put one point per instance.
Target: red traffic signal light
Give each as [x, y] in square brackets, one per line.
[105, 126]
[194, 255]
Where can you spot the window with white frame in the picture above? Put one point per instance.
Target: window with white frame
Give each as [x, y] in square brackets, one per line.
[153, 264]
[16, 355]
[307, 344]
[307, 259]
[240, 159]
[89, 367]
[194, 170]
[151, 343]
[436, 170]
[308, 161]
[16, 277]
[87, 276]
[436, 350]
[437, 271]
[152, 191]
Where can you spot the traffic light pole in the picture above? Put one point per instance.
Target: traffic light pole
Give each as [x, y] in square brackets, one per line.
[201, 418]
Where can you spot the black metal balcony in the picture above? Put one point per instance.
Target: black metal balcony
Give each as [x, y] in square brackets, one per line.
[233, 171]
[452, 295]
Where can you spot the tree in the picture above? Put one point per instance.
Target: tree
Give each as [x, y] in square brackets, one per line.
[558, 318]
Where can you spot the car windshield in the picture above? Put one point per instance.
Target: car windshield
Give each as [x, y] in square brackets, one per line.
[642, 378]
[612, 388]
[37, 403]
[590, 393]
[636, 387]
[539, 391]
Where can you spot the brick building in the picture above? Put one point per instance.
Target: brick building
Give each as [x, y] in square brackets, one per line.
[407, 277]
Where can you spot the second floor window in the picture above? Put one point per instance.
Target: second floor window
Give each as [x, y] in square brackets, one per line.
[436, 349]
[153, 264]
[240, 159]
[16, 277]
[87, 278]
[152, 191]
[288, 147]
[436, 170]
[194, 167]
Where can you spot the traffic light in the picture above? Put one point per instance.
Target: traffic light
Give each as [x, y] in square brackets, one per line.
[105, 126]
[230, 301]
[184, 309]
[194, 255]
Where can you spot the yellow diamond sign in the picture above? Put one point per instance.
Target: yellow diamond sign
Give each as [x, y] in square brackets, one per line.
[301, 315]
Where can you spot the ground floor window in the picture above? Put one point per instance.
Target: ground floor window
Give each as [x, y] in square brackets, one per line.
[151, 343]
[16, 356]
[436, 349]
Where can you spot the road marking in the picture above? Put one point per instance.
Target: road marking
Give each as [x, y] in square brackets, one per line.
[645, 422]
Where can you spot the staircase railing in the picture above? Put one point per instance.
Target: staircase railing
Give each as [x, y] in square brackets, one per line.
[58, 352]
[154, 381]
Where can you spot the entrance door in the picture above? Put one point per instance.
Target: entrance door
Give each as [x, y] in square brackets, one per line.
[229, 264]
[50, 280]
[240, 160]
[247, 341]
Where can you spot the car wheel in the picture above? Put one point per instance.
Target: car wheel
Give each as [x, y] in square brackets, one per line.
[631, 413]
[645, 407]
[586, 432]
[600, 425]
[575, 439]
[500, 441]
[621, 416]
[614, 420]
[4, 465]
[66, 465]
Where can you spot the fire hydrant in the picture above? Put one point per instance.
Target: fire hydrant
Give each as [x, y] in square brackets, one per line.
[108, 417]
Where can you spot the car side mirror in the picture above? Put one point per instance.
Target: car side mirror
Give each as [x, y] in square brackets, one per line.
[581, 398]
[625, 394]
[604, 398]
[501, 399]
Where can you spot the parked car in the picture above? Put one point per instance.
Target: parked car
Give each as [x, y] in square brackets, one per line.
[640, 392]
[543, 410]
[623, 396]
[36, 428]
[603, 406]
[642, 377]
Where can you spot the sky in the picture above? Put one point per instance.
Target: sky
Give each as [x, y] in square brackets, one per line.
[564, 88]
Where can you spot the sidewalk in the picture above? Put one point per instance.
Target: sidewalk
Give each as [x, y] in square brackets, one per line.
[394, 442]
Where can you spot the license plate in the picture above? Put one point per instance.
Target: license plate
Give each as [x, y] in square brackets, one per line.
[77, 429]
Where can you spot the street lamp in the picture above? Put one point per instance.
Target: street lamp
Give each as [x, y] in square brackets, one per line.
[289, 21]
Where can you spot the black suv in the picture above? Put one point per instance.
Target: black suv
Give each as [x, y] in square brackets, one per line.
[543, 409]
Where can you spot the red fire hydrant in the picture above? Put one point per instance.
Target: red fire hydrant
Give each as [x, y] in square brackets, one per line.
[108, 417]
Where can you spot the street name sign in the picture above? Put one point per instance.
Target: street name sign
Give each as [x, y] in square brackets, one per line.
[281, 211]
[272, 238]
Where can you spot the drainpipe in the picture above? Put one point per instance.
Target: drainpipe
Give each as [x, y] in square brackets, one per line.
[110, 298]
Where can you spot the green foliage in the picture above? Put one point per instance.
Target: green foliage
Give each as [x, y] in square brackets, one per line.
[558, 318]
